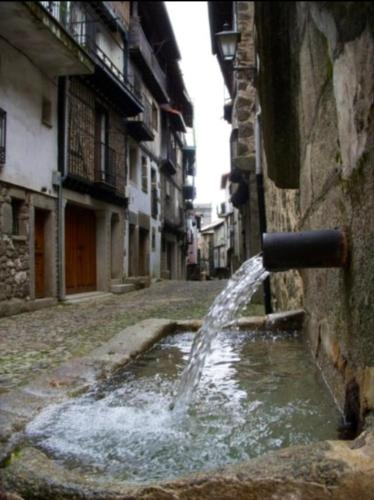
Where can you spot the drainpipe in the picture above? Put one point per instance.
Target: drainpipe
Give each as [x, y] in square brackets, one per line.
[60, 177]
[261, 203]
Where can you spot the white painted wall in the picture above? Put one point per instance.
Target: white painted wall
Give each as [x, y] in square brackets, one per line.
[31, 146]
[112, 46]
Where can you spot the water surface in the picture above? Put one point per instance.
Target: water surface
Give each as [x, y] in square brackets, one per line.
[258, 392]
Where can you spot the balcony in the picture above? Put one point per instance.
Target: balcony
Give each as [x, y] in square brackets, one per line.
[169, 160]
[174, 221]
[109, 78]
[37, 33]
[189, 192]
[140, 127]
[143, 56]
[94, 168]
[189, 154]
[81, 23]
[105, 166]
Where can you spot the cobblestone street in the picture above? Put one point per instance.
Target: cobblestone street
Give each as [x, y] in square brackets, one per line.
[32, 343]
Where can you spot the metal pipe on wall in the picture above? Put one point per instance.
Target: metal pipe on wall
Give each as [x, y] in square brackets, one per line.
[306, 249]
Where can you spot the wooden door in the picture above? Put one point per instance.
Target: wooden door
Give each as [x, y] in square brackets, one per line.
[80, 250]
[39, 225]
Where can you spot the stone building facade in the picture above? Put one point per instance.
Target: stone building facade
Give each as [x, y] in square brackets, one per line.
[315, 91]
[67, 206]
[240, 111]
[319, 174]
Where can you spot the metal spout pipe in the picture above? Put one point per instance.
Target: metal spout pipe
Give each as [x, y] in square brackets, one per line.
[308, 249]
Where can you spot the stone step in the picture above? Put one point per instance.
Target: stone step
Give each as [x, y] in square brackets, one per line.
[138, 281]
[123, 288]
[116, 281]
[76, 298]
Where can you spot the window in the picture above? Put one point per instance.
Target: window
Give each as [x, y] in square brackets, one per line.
[16, 216]
[101, 141]
[154, 116]
[2, 136]
[144, 175]
[154, 194]
[153, 239]
[46, 112]
[133, 157]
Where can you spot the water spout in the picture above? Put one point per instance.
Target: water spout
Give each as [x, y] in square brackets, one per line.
[308, 249]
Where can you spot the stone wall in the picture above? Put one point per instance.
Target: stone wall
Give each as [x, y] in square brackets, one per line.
[14, 249]
[243, 120]
[329, 69]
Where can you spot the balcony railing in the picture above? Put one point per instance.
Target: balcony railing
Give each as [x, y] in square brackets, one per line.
[189, 192]
[105, 166]
[169, 159]
[140, 126]
[138, 43]
[80, 24]
[189, 155]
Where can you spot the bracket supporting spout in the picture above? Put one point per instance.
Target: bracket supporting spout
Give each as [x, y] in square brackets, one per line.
[307, 249]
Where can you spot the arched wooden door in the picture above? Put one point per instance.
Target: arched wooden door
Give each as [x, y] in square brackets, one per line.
[80, 249]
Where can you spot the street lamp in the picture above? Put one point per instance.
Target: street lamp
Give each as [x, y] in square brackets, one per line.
[227, 42]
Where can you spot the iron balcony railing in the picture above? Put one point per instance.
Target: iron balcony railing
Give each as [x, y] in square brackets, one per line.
[189, 192]
[146, 115]
[138, 40]
[105, 165]
[81, 25]
[171, 154]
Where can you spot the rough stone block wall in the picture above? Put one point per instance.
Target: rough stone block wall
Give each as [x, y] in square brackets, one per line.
[14, 251]
[334, 55]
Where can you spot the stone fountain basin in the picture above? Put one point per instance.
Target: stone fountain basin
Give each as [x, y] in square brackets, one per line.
[329, 469]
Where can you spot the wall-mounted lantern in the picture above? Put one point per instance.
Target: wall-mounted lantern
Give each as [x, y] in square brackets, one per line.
[227, 42]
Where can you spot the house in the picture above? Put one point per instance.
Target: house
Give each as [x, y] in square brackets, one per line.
[30, 153]
[312, 96]
[85, 149]
[233, 223]
[204, 212]
[239, 110]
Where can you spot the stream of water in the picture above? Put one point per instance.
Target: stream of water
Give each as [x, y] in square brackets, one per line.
[222, 314]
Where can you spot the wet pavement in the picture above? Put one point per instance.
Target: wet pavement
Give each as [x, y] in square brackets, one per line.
[33, 343]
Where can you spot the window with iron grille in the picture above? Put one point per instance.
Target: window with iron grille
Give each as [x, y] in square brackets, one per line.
[16, 216]
[2, 136]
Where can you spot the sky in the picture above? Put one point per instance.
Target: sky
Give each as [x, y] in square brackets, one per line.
[205, 86]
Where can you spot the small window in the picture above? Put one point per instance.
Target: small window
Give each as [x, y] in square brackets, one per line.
[154, 116]
[46, 112]
[153, 239]
[16, 216]
[2, 136]
[144, 175]
[133, 157]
